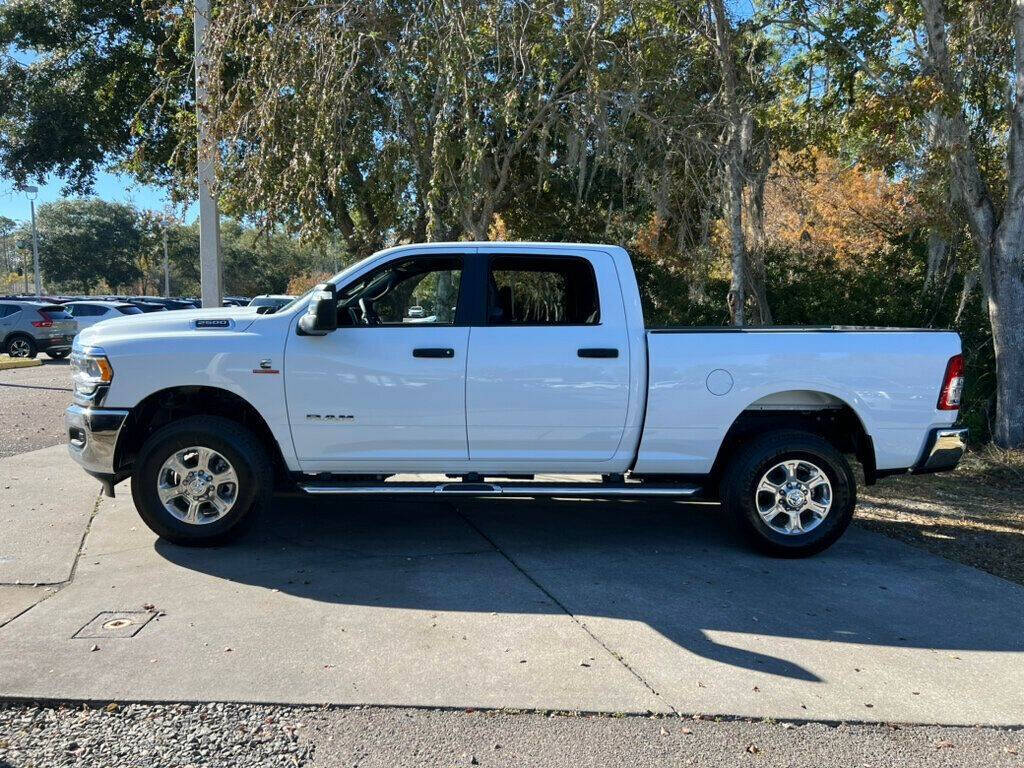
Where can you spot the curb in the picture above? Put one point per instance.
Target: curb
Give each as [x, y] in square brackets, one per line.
[6, 363]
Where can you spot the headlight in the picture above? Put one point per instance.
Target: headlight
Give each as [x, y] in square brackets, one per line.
[89, 369]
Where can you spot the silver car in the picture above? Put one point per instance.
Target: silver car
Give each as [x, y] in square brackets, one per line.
[30, 327]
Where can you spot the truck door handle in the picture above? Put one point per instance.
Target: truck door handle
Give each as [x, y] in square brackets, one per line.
[597, 352]
[433, 352]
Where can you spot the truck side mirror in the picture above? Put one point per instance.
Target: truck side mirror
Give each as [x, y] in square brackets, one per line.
[322, 314]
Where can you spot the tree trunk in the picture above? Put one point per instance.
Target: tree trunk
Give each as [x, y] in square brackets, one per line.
[755, 254]
[998, 240]
[739, 128]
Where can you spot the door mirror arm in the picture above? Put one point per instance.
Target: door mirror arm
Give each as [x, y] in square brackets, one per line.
[322, 314]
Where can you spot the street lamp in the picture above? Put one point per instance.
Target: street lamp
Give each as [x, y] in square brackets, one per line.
[32, 193]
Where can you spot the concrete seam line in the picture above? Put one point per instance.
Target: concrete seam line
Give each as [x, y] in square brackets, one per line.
[565, 609]
[58, 584]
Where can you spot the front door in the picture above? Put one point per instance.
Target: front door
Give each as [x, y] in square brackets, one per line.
[549, 367]
[386, 391]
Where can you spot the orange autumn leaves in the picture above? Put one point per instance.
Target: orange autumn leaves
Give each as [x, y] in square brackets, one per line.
[817, 203]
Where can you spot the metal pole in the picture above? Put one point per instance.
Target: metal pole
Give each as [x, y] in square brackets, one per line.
[35, 251]
[209, 219]
[167, 271]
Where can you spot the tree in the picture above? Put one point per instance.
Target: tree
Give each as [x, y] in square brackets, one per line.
[7, 229]
[921, 85]
[85, 242]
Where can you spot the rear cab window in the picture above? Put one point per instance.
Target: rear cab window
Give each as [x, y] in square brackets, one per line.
[542, 290]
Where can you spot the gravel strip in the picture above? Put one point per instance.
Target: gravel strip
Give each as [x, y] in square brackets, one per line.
[152, 736]
[239, 735]
[32, 403]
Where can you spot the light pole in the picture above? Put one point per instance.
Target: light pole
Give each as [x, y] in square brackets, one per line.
[167, 271]
[32, 193]
[210, 275]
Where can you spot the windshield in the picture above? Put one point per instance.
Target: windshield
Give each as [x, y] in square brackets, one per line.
[267, 301]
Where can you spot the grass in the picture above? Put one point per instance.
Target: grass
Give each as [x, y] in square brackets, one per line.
[974, 515]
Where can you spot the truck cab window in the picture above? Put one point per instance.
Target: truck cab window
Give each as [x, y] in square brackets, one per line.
[545, 290]
[418, 291]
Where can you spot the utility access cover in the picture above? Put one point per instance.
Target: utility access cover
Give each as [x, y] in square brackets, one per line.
[115, 624]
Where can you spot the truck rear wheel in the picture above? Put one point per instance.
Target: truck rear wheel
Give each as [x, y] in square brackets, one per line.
[791, 493]
[201, 480]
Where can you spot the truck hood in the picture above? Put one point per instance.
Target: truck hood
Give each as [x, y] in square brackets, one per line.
[167, 323]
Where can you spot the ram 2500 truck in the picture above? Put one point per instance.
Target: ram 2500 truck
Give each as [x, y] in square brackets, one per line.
[492, 364]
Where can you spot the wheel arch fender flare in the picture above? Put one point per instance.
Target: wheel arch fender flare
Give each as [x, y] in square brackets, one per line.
[174, 403]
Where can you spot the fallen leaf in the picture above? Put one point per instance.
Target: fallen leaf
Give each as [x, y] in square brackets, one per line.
[753, 749]
[664, 731]
[94, 648]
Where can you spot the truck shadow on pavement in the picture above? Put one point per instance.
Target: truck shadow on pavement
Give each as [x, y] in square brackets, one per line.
[674, 567]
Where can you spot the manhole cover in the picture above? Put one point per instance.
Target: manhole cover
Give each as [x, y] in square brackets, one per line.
[115, 624]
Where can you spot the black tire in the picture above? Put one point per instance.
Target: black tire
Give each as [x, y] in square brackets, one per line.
[231, 440]
[750, 463]
[18, 343]
[58, 355]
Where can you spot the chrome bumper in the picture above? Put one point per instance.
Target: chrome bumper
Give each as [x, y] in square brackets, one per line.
[943, 451]
[92, 436]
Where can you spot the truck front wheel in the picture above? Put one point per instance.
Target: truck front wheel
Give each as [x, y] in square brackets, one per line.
[791, 493]
[200, 480]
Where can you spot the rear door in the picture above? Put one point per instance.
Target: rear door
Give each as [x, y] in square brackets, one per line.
[548, 375]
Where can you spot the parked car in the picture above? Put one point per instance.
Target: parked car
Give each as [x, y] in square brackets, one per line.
[166, 303]
[90, 312]
[146, 306]
[273, 301]
[236, 301]
[30, 327]
[537, 361]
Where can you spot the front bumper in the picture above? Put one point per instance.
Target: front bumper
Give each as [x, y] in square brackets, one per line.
[92, 437]
[943, 450]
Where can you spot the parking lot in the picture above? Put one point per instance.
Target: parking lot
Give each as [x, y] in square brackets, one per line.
[32, 402]
[567, 606]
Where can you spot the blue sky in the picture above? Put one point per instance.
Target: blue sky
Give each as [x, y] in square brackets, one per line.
[112, 187]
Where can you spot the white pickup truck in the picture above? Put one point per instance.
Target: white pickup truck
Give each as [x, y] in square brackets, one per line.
[492, 364]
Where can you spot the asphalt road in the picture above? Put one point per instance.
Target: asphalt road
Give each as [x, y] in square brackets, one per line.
[32, 403]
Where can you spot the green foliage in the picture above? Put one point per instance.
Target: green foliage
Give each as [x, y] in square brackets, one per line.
[253, 262]
[85, 242]
[76, 77]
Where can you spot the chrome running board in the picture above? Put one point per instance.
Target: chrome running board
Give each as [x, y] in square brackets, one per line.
[575, 490]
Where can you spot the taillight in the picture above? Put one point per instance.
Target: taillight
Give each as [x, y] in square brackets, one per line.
[44, 323]
[952, 384]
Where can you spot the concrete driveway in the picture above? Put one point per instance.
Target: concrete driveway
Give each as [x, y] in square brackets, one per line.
[504, 603]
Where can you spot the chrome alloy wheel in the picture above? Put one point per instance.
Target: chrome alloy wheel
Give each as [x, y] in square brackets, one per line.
[793, 497]
[19, 348]
[197, 485]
